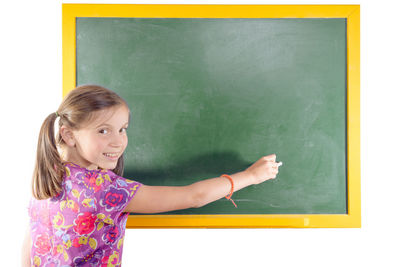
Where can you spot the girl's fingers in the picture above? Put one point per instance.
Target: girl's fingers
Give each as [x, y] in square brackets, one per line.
[274, 168]
[270, 157]
[276, 165]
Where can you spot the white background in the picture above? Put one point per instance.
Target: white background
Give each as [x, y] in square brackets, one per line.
[31, 85]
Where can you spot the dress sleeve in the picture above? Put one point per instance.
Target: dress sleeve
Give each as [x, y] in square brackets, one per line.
[116, 195]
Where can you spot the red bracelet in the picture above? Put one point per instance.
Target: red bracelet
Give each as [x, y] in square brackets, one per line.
[232, 189]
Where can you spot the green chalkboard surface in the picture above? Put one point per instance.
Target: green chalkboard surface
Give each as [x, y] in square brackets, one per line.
[211, 96]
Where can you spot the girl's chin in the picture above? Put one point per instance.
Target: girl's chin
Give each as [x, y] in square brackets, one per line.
[108, 166]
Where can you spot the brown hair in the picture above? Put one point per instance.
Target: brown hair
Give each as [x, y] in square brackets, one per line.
[76, 108]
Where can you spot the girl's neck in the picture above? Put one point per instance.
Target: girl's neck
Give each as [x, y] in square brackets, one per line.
[70, 155]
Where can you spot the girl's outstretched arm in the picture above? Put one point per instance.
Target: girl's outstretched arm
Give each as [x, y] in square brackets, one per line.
[156, 199]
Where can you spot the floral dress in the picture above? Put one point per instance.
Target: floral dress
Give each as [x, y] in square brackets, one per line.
[85, 224]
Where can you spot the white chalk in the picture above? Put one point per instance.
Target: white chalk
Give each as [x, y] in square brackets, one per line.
[280, 163]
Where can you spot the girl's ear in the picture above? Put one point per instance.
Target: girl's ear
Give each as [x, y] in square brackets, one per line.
[67, 135]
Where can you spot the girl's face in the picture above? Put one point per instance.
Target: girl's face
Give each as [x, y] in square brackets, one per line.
[102, 141]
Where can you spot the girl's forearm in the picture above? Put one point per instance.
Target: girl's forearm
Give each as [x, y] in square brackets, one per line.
[210, 190]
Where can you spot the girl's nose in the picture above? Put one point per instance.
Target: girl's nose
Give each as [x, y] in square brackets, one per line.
[117, 141]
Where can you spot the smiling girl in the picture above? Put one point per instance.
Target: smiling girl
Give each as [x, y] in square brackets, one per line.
[81, 202]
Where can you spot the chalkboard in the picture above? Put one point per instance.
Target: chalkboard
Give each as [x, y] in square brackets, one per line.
[212, 95]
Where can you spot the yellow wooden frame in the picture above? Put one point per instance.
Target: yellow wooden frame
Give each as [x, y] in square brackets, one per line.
[351, 12]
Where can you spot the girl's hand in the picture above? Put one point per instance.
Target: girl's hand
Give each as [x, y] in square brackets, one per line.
[264, 169]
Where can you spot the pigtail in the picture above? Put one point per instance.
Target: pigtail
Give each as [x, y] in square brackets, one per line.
[49, 170]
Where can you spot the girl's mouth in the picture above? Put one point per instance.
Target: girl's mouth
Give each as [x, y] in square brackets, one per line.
[111, 155]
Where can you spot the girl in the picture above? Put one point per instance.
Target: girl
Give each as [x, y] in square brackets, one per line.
[81, 201]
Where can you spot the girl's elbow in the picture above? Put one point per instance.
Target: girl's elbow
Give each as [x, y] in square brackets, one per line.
[198, 198]
[198, 203]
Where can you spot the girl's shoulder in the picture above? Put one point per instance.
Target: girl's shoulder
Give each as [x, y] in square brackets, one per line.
[93, 181]
[102, 188]
[73, 170]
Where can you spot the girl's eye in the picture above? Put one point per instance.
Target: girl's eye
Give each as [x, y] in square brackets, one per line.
[103, 131]
[123, 130]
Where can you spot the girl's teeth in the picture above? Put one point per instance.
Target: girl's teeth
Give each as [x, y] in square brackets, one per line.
[111, 155]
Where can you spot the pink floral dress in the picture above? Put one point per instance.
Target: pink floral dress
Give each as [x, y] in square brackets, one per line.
[85, 224]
